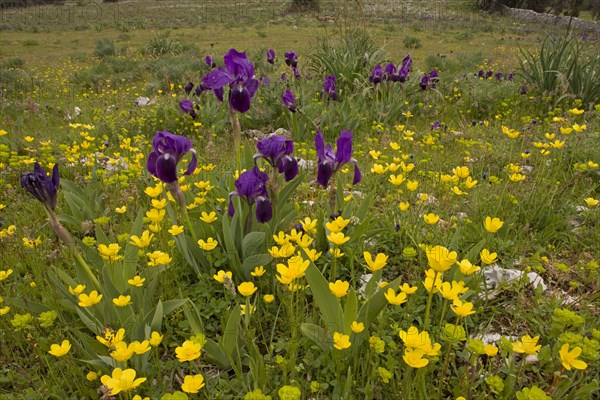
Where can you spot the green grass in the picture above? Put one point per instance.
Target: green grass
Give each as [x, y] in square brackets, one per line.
[49, 67]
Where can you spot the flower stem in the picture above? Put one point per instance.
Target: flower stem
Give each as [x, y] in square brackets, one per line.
[429, 298]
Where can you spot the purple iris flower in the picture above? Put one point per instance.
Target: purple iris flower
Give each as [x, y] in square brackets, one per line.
[498, 76]
[481, 74]
[330, 162]
[239, 75]
[296, 72]
[271, 56]
[200, 88]
[252, 187]
[210, 61]
[265, 81]
[41, 186]
[391, 73]
[283, 77]
[428, 81]
[329, 87]
[291, 59]
[289, 100]
[489, 74]
[424, 82]
[510, 77]
[405, 68]
[168, 150]
[278, 150]
[188, 107]
[523, 89]
[188, 88]
[376, 75]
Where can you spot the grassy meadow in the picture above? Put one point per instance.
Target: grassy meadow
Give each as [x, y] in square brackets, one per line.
[444, 247]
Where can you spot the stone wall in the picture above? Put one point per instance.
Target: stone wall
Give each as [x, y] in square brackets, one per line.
[532, 16]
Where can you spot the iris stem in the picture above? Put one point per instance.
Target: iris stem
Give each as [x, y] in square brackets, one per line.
[237, 136]
[68, 240]
[188, 222]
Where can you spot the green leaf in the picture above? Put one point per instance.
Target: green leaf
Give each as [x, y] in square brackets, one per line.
[171, 305]
[230, 337]
[158, 317]
[28, 305]
[329, 305]
[216, 355]
[194, 320]
[230, 249]
[373, 306]
[316, 334]
[252, 243]
[254, 261]
[350, 311]
[131, 258]
[290, 188]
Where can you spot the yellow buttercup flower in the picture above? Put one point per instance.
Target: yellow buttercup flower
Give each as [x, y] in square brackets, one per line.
[431, 219]
[461, 172]
[158, 258]
[406, 288]
[591, 202]
[159, 204]
[122, 301]
[309, 225]
[375, 265]
[575, 111]
[208, 245]
[121, 210]
[208, 218]
[527, 345]
[155, 339]
[143, 241]
[59, 350]
[154, 191]
[490, 350]
[404, 205]
[192, 383]
[462, 309]
[312, 254]
[137, 281]
[492, 225]
[75, 291]
[258, 271]
[339, 288]
[569, 358]
[396, 180]
[412, 185]
[121, 352]
[140, 348]
[336, 253]
[247, 289]
[188, 351]
[413, 357]
[357, 327]
[156, 216]
[337, 238]
[121, 381]
[395, 299]
[341, 341]
[429, 283]
[89, 300]
[221, 276]
[467, 268]
[110, 252]
[110, 338]
[440, 258]
[175, 230]
[452, 291]
[295, 269]
[268, 298]
[487, 257]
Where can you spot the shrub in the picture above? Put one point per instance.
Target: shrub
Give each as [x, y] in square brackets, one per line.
[104, 48]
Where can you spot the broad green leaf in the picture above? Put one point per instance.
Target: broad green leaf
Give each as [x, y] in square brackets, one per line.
[329, 305]
[216, 355]
[158, 317]
[252, 243]
[350, 311]
[230, 337]
[230, 249]
[254, 261]
[316, 334]
[28, 305]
